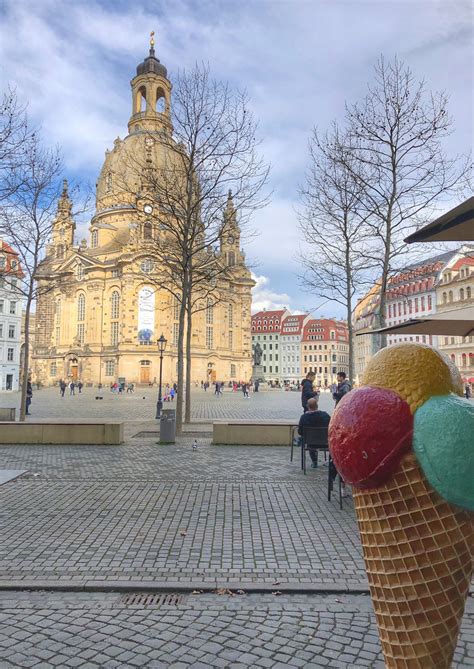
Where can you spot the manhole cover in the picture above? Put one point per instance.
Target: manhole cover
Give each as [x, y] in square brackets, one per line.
[148, 599]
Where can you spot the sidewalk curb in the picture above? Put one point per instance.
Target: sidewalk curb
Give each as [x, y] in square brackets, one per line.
[171, 586]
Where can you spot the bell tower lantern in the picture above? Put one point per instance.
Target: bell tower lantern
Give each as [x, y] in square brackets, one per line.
[151, 96]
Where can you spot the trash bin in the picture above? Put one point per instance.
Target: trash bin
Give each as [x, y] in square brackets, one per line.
[168, 426]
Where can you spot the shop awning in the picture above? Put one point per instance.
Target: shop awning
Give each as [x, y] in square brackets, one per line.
[454, 323]
[456, 225]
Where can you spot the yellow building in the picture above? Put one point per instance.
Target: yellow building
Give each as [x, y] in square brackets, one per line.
[98, 317]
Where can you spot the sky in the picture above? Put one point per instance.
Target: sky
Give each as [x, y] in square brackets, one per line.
[300, 61]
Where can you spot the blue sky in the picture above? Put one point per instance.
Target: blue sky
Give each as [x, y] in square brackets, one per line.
[72, 60]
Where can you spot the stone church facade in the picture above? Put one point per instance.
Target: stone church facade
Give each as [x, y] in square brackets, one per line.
[98, 316]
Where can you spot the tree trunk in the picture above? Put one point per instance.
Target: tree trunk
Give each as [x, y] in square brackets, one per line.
[26, 357]
[187, 405]
[182, 323]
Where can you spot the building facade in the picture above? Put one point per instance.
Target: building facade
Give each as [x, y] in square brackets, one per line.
[325, 349]
[412, 294]
[102, 308]
[10, 318]
[456, 290]
[266, 329]
[365, 317]
[290, 347]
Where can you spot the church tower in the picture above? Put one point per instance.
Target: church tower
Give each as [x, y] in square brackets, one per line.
[151, 96]
[62, 238]
[230, 234]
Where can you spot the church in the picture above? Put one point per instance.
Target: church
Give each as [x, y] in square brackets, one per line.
[100, 310]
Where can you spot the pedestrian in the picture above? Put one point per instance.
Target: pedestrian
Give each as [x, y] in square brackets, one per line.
[245, 390]
[343, 387]
[62, 387]
[307, 391]
[29, 396]
[172, 394]
[467, 391]
[80, 385]
[220, 386]
[256, 385]
[72, 387]
[312, 417]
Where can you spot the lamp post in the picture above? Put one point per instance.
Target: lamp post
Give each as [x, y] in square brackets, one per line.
[161, 347]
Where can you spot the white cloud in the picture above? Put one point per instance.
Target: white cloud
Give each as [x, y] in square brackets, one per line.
[263, 297]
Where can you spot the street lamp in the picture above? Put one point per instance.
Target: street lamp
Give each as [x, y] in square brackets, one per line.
[161, 347]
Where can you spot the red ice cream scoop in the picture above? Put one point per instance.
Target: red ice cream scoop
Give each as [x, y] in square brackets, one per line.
[370, 430]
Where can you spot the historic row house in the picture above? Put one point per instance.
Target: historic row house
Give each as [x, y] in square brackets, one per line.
[98, 315]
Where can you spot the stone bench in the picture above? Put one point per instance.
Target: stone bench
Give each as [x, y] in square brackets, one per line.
[264, 433]
[7, 414]
[61, 433]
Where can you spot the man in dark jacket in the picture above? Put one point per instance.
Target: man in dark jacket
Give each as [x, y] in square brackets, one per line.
[343, 387]
[307, 391]
[313, 418]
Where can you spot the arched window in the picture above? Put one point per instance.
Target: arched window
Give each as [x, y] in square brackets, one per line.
[140, 102]
[60, 251]
[231, 315]
[114, 305]
[468, 293]
[147, 230]
[79, 271]
[450, 295]
[94, 239]
[461, 294]
[81, 307]
[108, 182]
[231, 258]
[445, 298]
[160, 101]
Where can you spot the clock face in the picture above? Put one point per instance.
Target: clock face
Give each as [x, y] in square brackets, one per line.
[148, 209]
[230, 240]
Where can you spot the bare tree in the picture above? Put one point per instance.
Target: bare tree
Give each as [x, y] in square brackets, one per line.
[211, 150]
[335, 265]
[394, 150]
[26, 220]
[16, 138]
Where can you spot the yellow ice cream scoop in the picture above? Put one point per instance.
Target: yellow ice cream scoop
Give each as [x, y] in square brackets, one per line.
[414, 371]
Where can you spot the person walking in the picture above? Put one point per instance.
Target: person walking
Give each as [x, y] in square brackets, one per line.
[29, 396]
[307, 391]
[62, 387]
[80, 386]
[343, 387]
[172, 394]
[72, 387]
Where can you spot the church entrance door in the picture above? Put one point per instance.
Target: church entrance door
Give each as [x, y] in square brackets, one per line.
[144, 374]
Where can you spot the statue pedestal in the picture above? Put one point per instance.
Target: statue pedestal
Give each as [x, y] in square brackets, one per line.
[257, 373]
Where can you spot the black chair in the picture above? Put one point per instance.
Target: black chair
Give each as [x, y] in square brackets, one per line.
[314, 438]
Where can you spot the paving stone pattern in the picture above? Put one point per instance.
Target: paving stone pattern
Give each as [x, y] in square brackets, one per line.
[95, 630]
[165, 513]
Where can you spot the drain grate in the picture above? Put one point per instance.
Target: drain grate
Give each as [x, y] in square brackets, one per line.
[149, 599]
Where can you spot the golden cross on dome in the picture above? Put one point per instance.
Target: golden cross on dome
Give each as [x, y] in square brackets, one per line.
[152, 39]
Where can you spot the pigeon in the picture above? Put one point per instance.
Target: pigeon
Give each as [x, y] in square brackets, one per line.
[195, 445]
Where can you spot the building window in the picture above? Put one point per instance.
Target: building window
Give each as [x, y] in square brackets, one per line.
[231, 259]
[115, 273]
[108, 182]
[109, 367]
[461, 294]
[53, 369]
[60, 251]
[11, 332]
[81, 307]
[147, 230]
[114, 305]
[209, 313]
[10, 352]
[233, 372]
[147, 266]
[175, 333]
[231, 315]
[80, 333]
[176, 308]
[468, 293]
[2, 302]
[12, 308]
[80, 272]
[114, 333]
[231, 340]
[209, 337]
[450, 295]
[429, 302]
[3, 261]
[94, 239]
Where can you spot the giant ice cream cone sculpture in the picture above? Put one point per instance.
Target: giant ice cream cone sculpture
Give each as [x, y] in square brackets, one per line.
[405, 443]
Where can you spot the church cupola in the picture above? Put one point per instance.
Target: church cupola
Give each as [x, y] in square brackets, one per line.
[151, 95]
[63, 225]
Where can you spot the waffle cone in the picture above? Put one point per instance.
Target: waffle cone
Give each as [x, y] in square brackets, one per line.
[418, 554]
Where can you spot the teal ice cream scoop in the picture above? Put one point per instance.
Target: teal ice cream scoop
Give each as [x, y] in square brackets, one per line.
[443, 442]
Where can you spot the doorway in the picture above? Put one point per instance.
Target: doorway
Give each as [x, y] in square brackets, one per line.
[145, 371]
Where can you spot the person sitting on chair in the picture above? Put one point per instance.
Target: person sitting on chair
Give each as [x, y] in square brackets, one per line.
[313, 418]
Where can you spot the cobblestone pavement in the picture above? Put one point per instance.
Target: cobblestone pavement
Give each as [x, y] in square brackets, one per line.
[165, 513]
[141, 406]
[200, 631]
